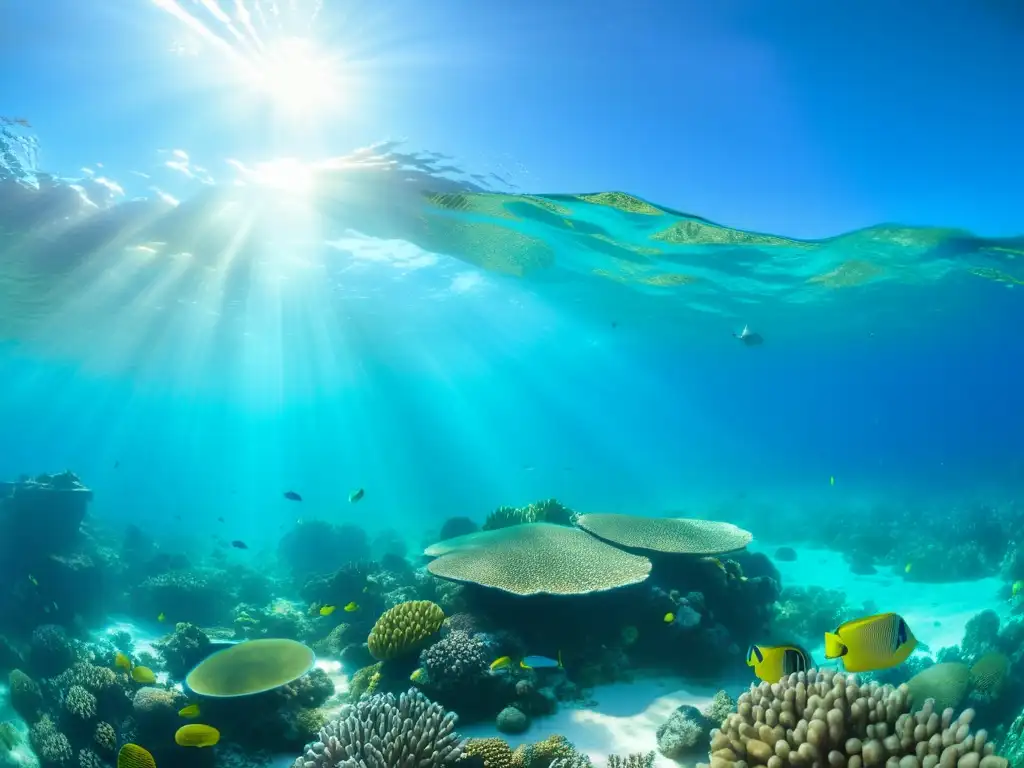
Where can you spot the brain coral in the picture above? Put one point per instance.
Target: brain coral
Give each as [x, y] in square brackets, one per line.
[826, 718]
[945, 683]
[675, 535]
[540, 558]
[384, 732]
[404, 628]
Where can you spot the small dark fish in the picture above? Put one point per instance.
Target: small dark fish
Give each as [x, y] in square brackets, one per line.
[117, 464]
[615, 323]
[356, 495]
[239, 544]
[220, 519]
[177, 517]
[292, 496]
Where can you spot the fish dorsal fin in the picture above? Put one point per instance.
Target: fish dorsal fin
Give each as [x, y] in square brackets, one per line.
[857, 623]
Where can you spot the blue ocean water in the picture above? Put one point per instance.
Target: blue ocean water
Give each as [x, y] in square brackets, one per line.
[514, 347]
[277, 382]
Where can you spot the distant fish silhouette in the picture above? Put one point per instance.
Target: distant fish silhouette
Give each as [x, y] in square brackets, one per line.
[239, 544]
[292, 496]
[356, 495]
[749, 338]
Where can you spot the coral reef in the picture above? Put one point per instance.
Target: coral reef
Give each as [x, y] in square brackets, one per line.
[404, 629]
[686, 732]
[512, 720]
[317, 547]
[183, 649]
[828, 718]
[547, 511]
[382, 731]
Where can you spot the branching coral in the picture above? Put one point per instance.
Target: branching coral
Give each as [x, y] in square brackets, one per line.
[105, 736]
[827, 718]
[456, 660]
[547, 511]
[80, 703]
[382, 732]
[50, 745]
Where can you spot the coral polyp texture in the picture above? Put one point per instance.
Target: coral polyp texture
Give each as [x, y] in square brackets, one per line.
[384, 732]
[673, 535]
[537, 558]
[826, 718]
[404, 628]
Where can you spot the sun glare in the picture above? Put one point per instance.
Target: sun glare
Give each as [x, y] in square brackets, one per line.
[298, 78]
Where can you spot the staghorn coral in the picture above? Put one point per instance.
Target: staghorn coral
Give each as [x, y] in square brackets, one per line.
[674, 535]
[828, 718]
[384, 732]
[26, 696]
[50, 745]
[80, 703]
[541, 558]
[494, 752]
[404, 628]
[105, 737]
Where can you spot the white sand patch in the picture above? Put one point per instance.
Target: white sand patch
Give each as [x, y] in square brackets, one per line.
[936, 613]
[621, 719]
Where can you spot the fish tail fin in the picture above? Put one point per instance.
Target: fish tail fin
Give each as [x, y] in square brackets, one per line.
[834, 646]
[523, 664]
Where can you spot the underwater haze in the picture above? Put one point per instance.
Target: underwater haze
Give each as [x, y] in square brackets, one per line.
[296, 288]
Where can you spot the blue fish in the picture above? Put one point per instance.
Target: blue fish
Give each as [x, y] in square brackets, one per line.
[541, 662]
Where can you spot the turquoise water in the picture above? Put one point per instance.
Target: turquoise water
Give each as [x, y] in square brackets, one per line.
[384, 323]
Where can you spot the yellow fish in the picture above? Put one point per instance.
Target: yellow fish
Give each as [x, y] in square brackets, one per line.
[327, 610]
[418, 675]
[143, 675]
[351, 607]
[190, 711]
[122, 662]
[33, 579]
[134, 756]
[501, 663]
[1017, 588]
[668, 618]
[908, 567]
[161, 616]
[773, 662]
[196, 735]
[874, 642]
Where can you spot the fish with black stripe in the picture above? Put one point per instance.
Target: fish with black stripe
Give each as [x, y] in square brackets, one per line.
[871, 643]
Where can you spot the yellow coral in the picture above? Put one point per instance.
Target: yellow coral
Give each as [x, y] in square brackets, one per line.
[404, 629]
[495, 752]
[541, 754]
[989, 673]
[365, 680]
